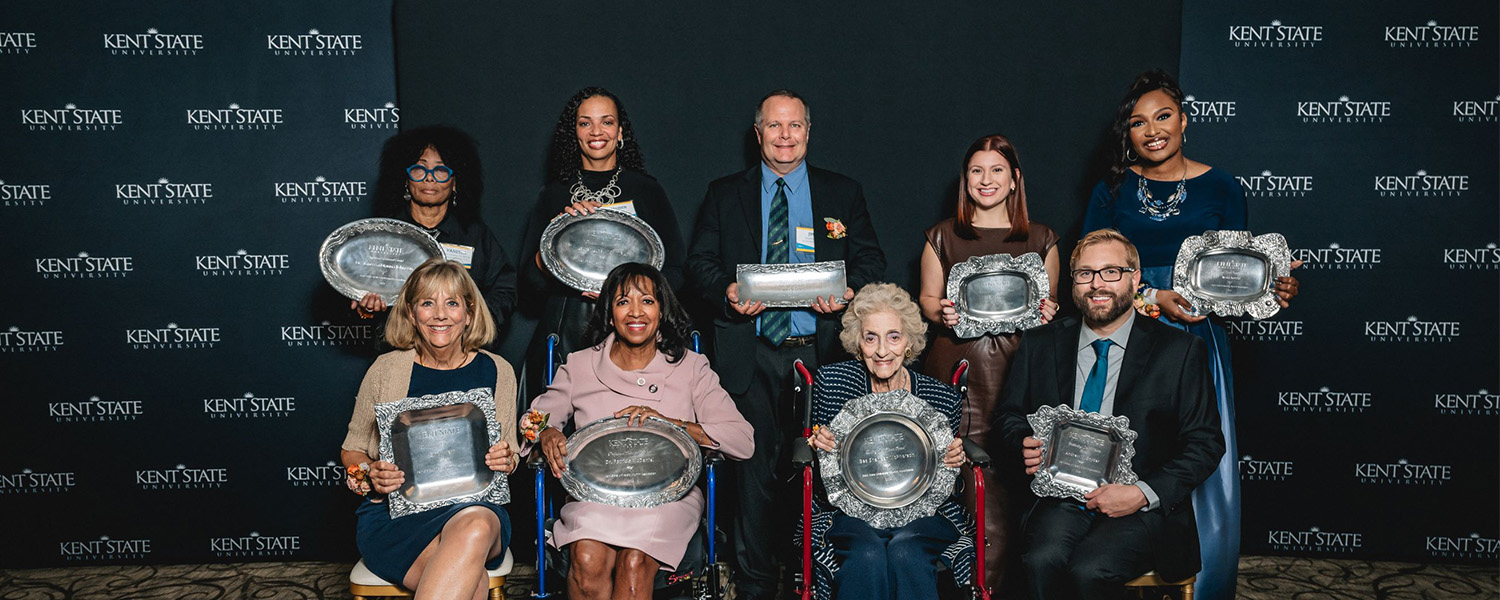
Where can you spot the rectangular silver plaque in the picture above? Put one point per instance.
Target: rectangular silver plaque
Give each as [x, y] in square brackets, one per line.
[997, 293]
[581, 250]
[791, 285]
[1081, 451]
[374, 256]
[1231, 273]
[439, 442]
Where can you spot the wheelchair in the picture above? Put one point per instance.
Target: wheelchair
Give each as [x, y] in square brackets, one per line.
[700, 576]
[808, 581]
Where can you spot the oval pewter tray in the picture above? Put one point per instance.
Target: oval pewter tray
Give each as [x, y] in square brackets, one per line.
[888, 470]
[997, 293]
[581, 250]
[631, 466]
[374, 256]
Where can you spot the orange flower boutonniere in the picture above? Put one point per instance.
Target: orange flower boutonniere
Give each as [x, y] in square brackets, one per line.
[836, 229]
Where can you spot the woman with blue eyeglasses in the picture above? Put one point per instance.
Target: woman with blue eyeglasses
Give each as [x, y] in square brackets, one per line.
[430, 177]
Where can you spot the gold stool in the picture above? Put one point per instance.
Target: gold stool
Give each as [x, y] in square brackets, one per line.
[1152, 580]
[364, 585]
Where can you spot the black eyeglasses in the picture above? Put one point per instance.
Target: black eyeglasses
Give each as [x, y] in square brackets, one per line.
[1109, 274]
[440, 173]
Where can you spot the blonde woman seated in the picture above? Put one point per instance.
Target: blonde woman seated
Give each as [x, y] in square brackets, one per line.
[883, 329]
[635, 364]
[438, 325]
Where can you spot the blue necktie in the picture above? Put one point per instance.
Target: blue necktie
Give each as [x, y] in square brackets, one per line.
[1093, 387]
[776, 325]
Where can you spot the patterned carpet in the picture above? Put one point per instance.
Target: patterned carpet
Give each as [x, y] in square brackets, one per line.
[1261, 578]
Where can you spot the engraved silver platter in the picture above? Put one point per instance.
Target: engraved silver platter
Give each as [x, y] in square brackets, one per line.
[374, 256]
[794, 285]
[1231, 273]
[613, 462]
[439, 442]
[997, 293]
[888, 469]
[581, 250]
[1081, 451]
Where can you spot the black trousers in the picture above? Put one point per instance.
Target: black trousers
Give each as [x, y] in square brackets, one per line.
[1070, 553]
[767, 505]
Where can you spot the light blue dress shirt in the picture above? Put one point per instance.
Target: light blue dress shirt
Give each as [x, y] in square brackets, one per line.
[1085, 361]
[800, 214]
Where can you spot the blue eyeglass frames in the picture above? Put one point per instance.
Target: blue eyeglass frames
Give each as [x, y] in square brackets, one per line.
[440, 174]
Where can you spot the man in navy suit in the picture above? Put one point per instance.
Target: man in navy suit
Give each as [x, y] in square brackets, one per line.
[1114, 362]
[779, 211]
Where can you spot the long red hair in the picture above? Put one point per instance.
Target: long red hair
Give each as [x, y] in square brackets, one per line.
[1020, 226]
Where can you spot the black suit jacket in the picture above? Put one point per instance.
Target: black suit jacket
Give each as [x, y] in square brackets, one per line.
[1166, 391]
[730, 233]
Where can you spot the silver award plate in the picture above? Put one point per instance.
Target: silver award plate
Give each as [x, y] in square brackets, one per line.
[794, 285]
[997, 293]
[439, 442]
[613, 462]
[581, 250]
[888, 470]
[374, 256]
[1081, 451]
[1231, 273]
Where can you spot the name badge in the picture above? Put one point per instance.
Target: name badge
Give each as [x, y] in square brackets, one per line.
[627, 207]
[805, 239]
[459, 253]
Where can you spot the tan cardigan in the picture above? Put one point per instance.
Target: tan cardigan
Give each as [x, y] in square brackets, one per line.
[390, 377]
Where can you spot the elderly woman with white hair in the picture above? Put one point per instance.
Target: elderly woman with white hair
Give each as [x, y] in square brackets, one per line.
[884, 330]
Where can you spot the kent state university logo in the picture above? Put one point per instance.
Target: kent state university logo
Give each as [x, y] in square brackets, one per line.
[172, 337]
[95, 409]
[19, 340]
[1337, 258]
[1402, 472]
[1412, 330]
[314, 43]
[1486, 258]
[163, 193]
[326, 475]
[1431, 35]
[320, 191]
[1251, 330]
[1421, 185]
[249, 406]
[1208, 111]
[1480, 403]
[153, 43]
[1470, 546]
[31, 482]
[1275, 35]
[1324, 401]
[84, 266]
[1314, 539]
[17, 42]
[104, 548]
[235, 118]
[1476, 111]
[1265, 470]
[72, 118]
[327, 334]
[241, 263]
[255, 545]
[1268, 185]
[182, 477]
[29, 194]
[1344, 110]
[386, 117]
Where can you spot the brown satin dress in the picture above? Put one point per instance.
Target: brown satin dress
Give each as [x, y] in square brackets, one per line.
[989, 360]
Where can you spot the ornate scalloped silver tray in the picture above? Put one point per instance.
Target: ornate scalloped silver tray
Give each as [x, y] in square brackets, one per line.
[613, 462]
[794, 285]
[1231, 273]
[888, 469]
[1081, 451]
[581, 250]
[997, 293]
[439, 442]
[374, 256]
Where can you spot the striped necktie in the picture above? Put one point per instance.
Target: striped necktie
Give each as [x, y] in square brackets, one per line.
[776, 325]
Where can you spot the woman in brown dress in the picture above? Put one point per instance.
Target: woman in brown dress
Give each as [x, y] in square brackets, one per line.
[991, 219]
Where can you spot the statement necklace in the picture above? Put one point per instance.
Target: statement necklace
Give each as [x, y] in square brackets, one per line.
[605, 195]
[1159, 210]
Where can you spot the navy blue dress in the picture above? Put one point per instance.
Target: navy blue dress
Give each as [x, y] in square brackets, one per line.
[1214, 200]
[390, 546]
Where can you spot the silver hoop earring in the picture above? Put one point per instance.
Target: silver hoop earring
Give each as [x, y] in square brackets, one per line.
[1130, 155]
[620, 143]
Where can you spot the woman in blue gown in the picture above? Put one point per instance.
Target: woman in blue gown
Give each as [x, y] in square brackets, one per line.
[1157, 197]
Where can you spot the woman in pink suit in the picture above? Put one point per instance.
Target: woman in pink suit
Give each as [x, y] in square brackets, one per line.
[636, 364]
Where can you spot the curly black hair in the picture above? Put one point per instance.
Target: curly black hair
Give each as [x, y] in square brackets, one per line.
[675, 329]
[459, 153]
[563, 159]
[1119, 132]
